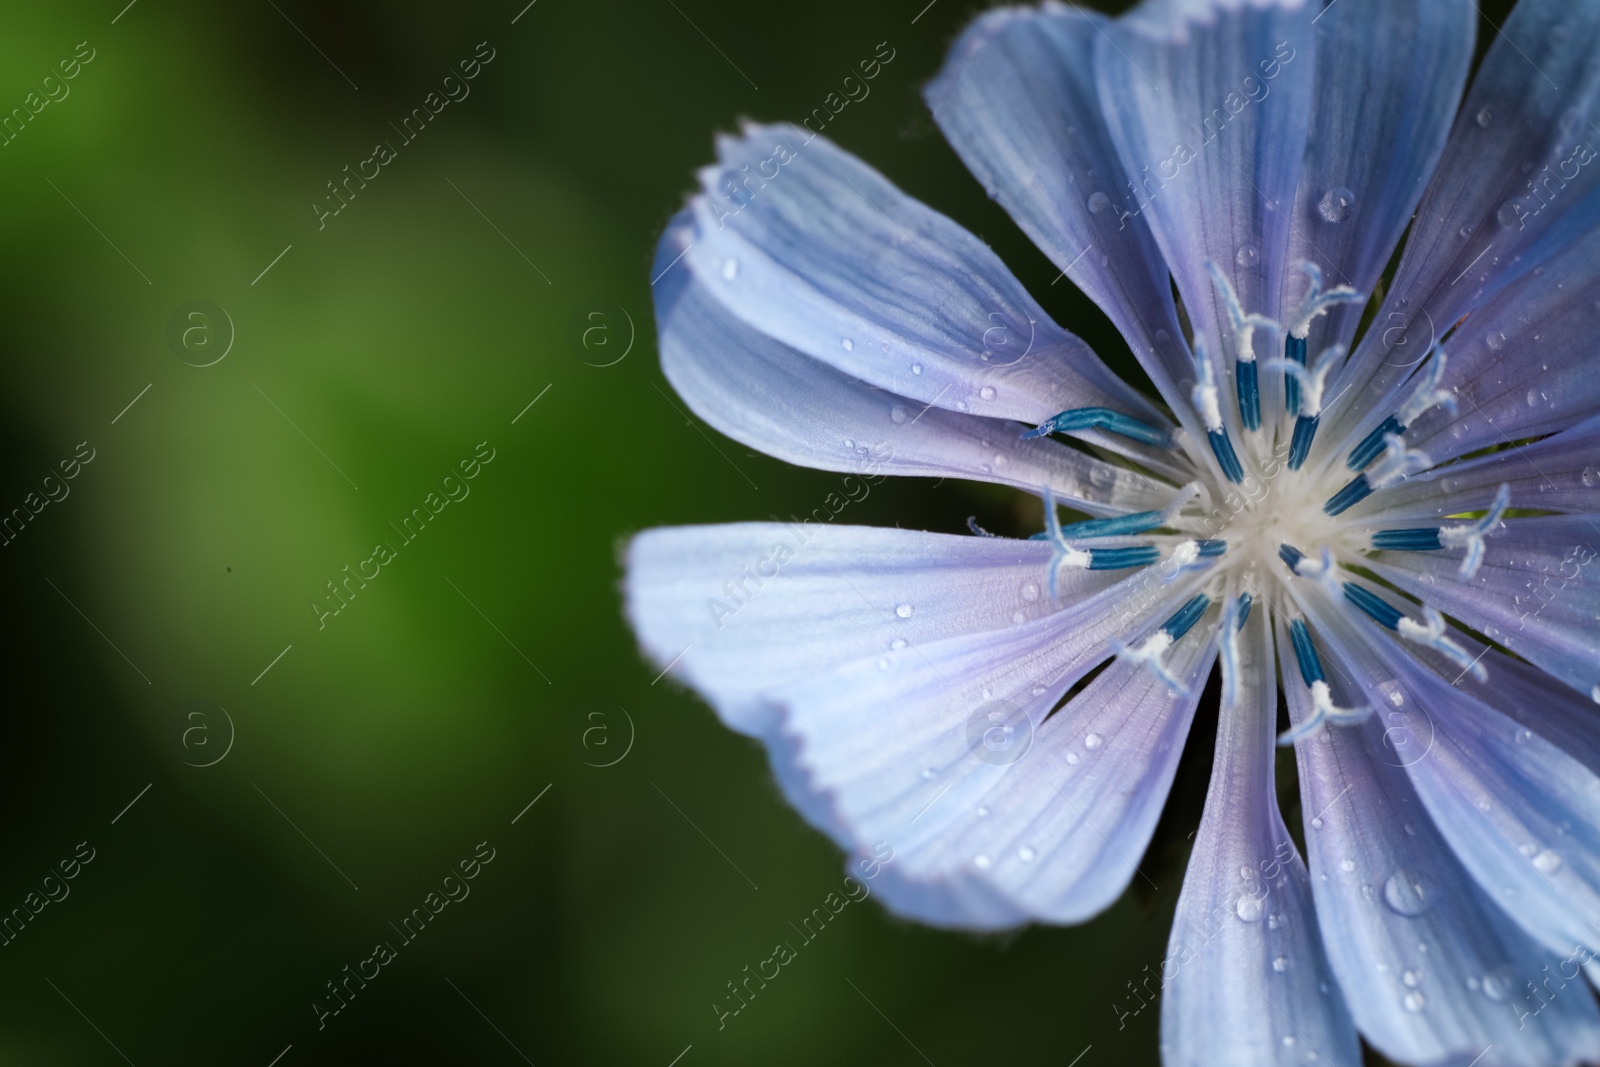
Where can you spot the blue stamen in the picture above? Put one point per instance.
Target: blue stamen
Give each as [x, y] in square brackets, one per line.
[1305, 429]
[1245, 601]
[1348, 497]
[1381, 611]
[1249, 394]
[1211, 548]
[1117, 526]
[1306, 653]
[1294, 348]
[1102, 419]
[1422, 539]
[1222, 448]
[1116, 559]
[1291, 556]
[1371, 446]
[1184, 618]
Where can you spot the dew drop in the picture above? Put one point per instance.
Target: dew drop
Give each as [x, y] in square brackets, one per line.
[1414, 1002]
[1316, 824]
[981, 862]
[898, 414]
[1547, 862]
[1508, 215]
[1030, 590]
[1025, 854]
[1161, 337]
[897, 644]
[883, 664]
[1280, 964]
[1411, 978]
[1591, 477]
[1247, 256]
[1347, 865]
[929, 772]
[1000, 460]
[1466, 230]
[1407, 894]
[1336, 204]
[1496, 988]
[983, 810]
[849, 345]
[916, 368]
[730, 269]
[987, 392]
[1248, 909]
[903, 610]
[1018, 618]
[1093, 741]
[1098, 202]
[1485, 116]
[1072, 757]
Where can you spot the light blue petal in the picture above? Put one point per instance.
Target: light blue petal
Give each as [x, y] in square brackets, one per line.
[1559, 473]
[1389, 78]
[1246, 980]
[1017, 100]
[1536, 594]
[1529, 696]
[988, 836]
[1520, 813]
[1432, 968]
[1534, 104]
[744, 610]
[1208, 102]
[1524, 365]
[771, 397]
[808, 245]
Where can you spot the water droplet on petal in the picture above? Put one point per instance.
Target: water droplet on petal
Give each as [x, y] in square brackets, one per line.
[1547, 862]
[1496, 988]
[1247, 256]
[1591, 477]
[1030, 590]
[1485, 116]
[1407, 894]
[904, 610]
[983, 810]
[987, 392]
[1093, 741]
[897, 644]
[1098, 202]
[929, 772]
[730, 269]
[1411, 978]
[1336, 204]
[1072, 757]
[883, 664]
[1347, 865]
[849, 345]
[1414, 1002]
[1509, 214]
[1025, 854]
[916, 368]
[981, 862]
[898, 414]
[1249, 909]
[1316, 824]
[1280, 964]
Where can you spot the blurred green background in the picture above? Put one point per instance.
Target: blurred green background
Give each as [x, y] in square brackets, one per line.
[297, 790]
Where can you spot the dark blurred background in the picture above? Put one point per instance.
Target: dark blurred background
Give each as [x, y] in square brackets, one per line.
[298, 784]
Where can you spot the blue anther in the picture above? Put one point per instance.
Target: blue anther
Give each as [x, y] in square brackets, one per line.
[1382, 612]
[1422, 539]
[1116, 559]
[1291, 556]
[1184, 618]
[1222, 448]
[1371, 446]
[1211, 548]
[1348, 497]
[1245, 601]
[1102, 419]
[1117, 526]
[1305, 429]
[1306, 653]
[1245, 379]
[1295, 348]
